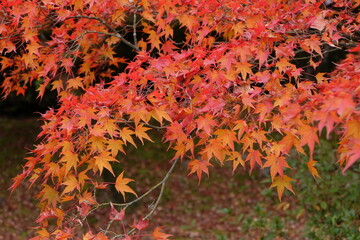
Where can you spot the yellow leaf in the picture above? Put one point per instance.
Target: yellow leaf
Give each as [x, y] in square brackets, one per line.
[281, 183]
[97, 144]
[115, 146]
[70, 159]
[102, 161]
[125, 135]
[121, 185]
[111, 127]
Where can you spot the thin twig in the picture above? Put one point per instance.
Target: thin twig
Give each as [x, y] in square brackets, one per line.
[125, 205]
[162, 183]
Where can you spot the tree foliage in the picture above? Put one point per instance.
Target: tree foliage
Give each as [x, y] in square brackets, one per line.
[218, 79]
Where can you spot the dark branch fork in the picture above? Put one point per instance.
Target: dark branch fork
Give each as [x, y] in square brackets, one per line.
[111, 28]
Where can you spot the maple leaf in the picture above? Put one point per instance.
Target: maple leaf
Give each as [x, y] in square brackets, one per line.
[353, 129]
[71, 184]
[214, 148]
[227, 137]
[125, 134]
[244, 69]
[116, 215]
[237, 159]
[312, 169]
[199, 166]
[103, 161]
[83, 209]
[87, 197]
[141, 224]
[140, 132]
[121, 185]
[158, 235]
[276, 164]
[50, 195]
[206, 123]
[75, 83]
[282, 182]
[71, 160]
[253, 157]
[309, 137]
[101, 236]
[160, 114]
[353, 155]
[115, 146]
[88, 236]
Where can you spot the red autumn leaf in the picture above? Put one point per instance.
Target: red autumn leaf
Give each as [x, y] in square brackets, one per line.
[83, 209]
[116, 215]
[141, 224]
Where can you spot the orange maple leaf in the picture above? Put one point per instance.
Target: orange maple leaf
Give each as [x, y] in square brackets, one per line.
[50, 195]
[199, 167]
[125, 134]
[254, 156]
[102, 161]
[312, 169]
[206, 123]
[71, 184]
[140, 132]
[115, 146]
[276, 164]
[160, 235]
[121, 185]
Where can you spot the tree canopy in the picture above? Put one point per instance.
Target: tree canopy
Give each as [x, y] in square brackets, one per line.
[220, 80]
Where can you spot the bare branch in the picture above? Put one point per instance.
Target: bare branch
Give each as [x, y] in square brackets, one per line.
[134, 30]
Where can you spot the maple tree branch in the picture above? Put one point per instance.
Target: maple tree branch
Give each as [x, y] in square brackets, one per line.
[86, 32]
[154, 206]
[134, 30]
[115, 34]
[162, 183]
[146, 124]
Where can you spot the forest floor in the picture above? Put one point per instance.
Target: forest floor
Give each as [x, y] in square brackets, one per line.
[225, 206]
